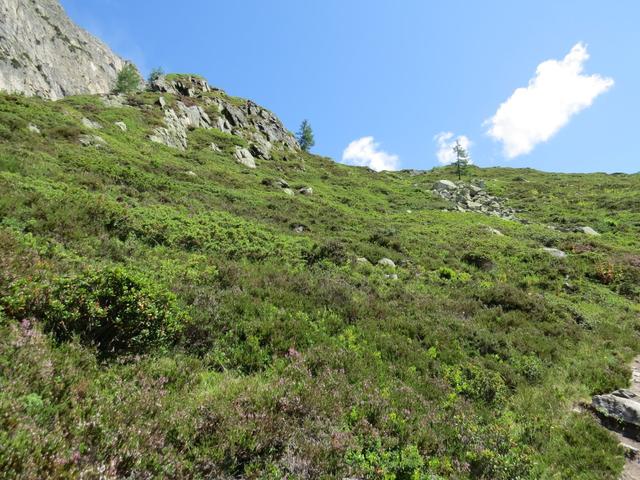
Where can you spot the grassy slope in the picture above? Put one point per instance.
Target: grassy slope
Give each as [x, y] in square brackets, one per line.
[295, 360]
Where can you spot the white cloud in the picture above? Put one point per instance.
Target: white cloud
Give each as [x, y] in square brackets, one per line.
[558, 91]
[446, 142]
[365, 152]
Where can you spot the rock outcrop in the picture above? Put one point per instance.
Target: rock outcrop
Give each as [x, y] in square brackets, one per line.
[42, 52]
[261, 128]
[473, 198]
[178, 121]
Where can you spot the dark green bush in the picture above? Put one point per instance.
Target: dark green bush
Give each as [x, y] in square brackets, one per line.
[115, 310]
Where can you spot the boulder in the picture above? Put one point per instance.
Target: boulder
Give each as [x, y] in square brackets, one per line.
[363, 261]
[441, 185]
[121, 125]
[588, 231]
[288, 191]
[386, 262]
[244, 157]
[91, 141]
[622, 405]
[305, 191]
[90, 124]
[554, 252]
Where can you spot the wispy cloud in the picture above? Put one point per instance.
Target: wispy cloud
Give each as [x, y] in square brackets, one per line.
[558, 91]
[445, 142]
[365, 152]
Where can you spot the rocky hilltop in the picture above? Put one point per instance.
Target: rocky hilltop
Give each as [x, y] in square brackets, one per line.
[42, 52]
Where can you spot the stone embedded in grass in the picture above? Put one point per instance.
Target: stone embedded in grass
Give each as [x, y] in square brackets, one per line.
[92, 141]
[91, 125]
[554, 252]
[588, 231]
[305, 191]
[121, 125]
[33, 128]
[386, 262]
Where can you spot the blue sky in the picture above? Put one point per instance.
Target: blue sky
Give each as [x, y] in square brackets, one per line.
[382, 79]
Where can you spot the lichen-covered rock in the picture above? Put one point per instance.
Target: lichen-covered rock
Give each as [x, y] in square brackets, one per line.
[42, 52]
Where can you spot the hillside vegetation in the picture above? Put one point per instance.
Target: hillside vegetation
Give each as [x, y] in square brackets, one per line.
[175, 314]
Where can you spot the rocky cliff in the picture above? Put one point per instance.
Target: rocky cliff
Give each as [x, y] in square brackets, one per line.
[42, 52]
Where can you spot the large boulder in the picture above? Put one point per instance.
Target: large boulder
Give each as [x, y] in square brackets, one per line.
[621, 405]
[244, 157]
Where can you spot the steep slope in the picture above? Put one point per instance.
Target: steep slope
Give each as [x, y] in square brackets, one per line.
[42, 52]
[170, 312]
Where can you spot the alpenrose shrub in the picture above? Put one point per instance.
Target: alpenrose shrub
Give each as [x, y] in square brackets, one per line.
[115, 310]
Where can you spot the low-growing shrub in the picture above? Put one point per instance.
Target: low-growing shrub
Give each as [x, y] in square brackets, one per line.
[115, 310]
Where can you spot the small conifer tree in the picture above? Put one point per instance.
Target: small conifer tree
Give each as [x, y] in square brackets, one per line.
[305, 136]
[128, 79]
[462, 158]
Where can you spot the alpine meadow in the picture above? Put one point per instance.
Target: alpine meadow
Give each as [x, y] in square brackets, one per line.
[186, 292]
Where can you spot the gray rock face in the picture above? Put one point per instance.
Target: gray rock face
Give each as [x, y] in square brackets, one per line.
[184, 85]
[178, 122]
[42, 52]
[472, 198]
[623, 405]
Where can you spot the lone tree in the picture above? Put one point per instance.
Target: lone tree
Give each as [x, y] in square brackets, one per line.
[128, 79]
[305, 136]
[155, 74]
[462, 159]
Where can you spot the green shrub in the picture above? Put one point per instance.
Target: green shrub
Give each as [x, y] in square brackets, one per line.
[115, 310]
